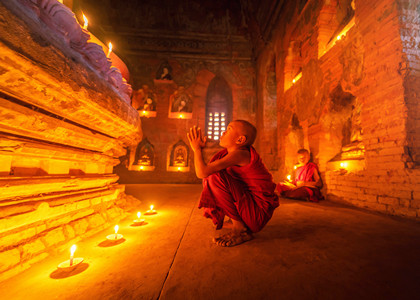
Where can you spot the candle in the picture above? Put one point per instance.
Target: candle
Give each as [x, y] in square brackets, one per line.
[109, 49]
[289, 177]
[85, 25]
[181, 116]
[139, 221]
[116, 231]
[72, 250]
[115, 236]
[72, 263]
[151, 211]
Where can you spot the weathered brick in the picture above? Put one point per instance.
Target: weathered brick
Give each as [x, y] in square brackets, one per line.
[9, 259]
[17, 237]
[53, 237]
[368, 198]
[32, 248]
[68, 232]
[95, 220]
[388, 200]
[80, 226]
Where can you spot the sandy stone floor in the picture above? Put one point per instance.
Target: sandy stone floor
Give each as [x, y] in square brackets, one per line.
[307, 251]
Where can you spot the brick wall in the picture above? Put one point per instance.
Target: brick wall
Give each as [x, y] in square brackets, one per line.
[376, 61]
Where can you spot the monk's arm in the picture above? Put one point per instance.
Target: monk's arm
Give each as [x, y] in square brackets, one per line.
[314, 184]
[235, 158]
[202, 170]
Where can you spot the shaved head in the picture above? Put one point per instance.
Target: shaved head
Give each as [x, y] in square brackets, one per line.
[248, 130]
[303, 151]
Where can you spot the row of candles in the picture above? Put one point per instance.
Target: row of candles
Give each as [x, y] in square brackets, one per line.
[73, 262]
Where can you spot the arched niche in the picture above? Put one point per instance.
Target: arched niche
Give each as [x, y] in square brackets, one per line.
[335, 19]
[164, 72]
[144, 100]
[179, 157]
[144, 160]
[293, 62]
[218, 108]
[180, 104]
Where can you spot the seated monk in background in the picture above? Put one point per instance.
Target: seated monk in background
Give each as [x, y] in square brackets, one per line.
[307, 183]
[236, 183]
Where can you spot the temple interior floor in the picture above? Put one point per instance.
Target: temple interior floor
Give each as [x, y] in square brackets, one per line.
[307, 251]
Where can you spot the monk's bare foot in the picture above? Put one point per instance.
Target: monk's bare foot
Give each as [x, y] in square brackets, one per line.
[233, 238]
[228, 224]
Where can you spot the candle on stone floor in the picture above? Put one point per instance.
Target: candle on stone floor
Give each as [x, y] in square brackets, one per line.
[116, 231]
[86, 22]
[72, 250]
[72, 263]
[139, 221]
[109, 49]
[151, 211]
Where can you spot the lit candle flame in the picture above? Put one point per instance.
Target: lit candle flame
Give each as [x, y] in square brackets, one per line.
[338, 37]
[180, 116]
[109, 49]
[72, 250]
[343, 165]
[295, 167]
[179, 168]
[116, 229]
[289, 177]
[151, 207]
[294, 80]
[138, 215]
[85, 25]
[144, 112]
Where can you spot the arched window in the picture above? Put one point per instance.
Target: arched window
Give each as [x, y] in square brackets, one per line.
[218, 108]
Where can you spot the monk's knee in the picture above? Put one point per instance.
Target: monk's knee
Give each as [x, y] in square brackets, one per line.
[216, 180]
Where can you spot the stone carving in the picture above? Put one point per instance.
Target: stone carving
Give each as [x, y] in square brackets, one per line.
[62, 20]
[144, 99]
[179, 156]
[348, 109]
[144, 154]
[180, 101]
[164, 72]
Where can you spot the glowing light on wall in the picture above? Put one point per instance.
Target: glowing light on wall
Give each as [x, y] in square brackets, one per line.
[298, 76]
[86, 22]
[109, 49]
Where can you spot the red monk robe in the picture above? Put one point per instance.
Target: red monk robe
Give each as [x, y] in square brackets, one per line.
[242, 193]
[303, 173]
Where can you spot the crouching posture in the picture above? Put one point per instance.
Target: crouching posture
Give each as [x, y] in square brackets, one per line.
[236, 183]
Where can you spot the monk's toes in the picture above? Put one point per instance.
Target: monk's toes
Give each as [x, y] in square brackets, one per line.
[224, 243]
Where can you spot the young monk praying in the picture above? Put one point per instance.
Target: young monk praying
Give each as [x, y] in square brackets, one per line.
[236, 183]
[307, 182]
